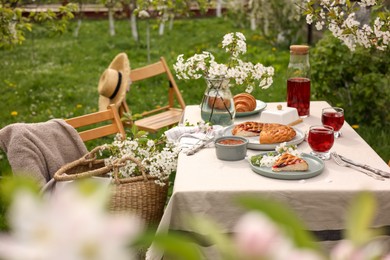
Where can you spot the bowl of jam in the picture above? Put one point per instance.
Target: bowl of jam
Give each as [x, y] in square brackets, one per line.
[231, 148]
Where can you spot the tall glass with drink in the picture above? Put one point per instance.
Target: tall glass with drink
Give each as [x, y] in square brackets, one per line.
[298, 80]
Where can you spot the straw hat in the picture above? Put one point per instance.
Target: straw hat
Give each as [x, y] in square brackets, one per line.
[114, 82]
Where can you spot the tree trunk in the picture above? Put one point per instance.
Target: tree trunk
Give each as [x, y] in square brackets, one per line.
[266, 25]
[161, 28]
[254, 7]
[171, 18]
[134, 27]
[218, 10]
[164, 18]
[111, 21]
[253, 21]
[133, 20]
[79, 20]
[76, 31]
[265, 19]
[148, 39]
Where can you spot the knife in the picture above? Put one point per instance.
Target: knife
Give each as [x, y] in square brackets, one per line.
[367, 167]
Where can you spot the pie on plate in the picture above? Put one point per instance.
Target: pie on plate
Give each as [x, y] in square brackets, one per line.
[268, 133]
[316, 167]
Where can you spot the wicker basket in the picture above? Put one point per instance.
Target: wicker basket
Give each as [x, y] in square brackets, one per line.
[139, 195]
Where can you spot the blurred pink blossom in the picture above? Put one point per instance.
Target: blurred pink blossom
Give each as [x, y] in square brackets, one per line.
[67, 225]
[256, 236]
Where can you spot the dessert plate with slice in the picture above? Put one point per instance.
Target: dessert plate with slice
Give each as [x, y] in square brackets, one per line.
[260, 106]
[315, 168]
[254, 141]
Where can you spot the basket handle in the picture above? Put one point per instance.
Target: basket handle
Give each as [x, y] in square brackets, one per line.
[90, 157]
[120, 162]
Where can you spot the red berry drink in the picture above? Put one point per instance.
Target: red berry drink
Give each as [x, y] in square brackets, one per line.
[298, 95]
[321, 139]
[333, 119]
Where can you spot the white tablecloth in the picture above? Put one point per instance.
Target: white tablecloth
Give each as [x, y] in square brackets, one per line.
[207, 186]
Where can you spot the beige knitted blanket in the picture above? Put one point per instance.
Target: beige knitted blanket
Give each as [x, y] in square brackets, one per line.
[38, 150]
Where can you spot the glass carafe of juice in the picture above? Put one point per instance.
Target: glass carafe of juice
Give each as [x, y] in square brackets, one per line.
[298, 80]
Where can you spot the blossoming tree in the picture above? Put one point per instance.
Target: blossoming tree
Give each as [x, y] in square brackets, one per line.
[14, 25]
[339, 16]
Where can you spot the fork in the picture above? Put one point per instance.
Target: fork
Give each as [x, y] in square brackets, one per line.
[201, 143]
[340, 162]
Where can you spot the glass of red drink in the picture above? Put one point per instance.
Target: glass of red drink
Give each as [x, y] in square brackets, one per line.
[298, 95]
[321, 139]
[334, 117]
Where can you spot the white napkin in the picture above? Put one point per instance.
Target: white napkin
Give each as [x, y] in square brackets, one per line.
[176, 132]
[188, 136]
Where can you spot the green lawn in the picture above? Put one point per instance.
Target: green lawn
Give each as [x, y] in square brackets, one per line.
[57, 77]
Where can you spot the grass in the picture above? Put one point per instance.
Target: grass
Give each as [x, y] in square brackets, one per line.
[57, 77]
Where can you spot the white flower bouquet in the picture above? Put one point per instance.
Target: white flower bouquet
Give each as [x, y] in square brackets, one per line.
[157, 157]
[243, 73]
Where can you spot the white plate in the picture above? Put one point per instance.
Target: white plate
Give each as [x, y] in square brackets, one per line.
[255, 144]
[260, 106]
[316, 166]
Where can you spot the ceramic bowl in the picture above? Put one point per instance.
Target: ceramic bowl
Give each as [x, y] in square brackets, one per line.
[231, 148]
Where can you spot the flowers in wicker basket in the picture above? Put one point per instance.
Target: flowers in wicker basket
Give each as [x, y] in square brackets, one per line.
[158, 157]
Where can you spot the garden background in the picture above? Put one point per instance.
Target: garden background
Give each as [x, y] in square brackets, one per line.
[56, 76]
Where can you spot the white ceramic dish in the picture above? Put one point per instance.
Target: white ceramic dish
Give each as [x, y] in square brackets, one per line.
[283, 116]
[316, 166]
[260, 106]
[255, 144]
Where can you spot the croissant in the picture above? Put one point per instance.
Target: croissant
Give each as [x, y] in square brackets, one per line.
[244, 102]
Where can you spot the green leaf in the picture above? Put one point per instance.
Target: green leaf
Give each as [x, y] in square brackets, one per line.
[140, 134]
[214, 234]
[173, 245]
[359, 218]
[10, 185]
[284, 218]
[143, 140]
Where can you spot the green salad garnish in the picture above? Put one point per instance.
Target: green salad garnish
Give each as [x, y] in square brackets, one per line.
[255, 159]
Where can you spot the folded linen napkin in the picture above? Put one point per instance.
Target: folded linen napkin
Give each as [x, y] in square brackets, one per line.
[38, 150]
[189, 136]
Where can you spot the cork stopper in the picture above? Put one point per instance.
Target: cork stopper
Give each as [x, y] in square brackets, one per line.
[299, 49]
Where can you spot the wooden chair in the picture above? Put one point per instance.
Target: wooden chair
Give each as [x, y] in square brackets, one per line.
[111, 114]
[165, 116]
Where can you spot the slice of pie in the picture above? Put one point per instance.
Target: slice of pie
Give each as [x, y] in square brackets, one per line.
[247, 129]
[290, 163]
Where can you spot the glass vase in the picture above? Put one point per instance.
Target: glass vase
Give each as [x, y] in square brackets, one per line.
[217, 105]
